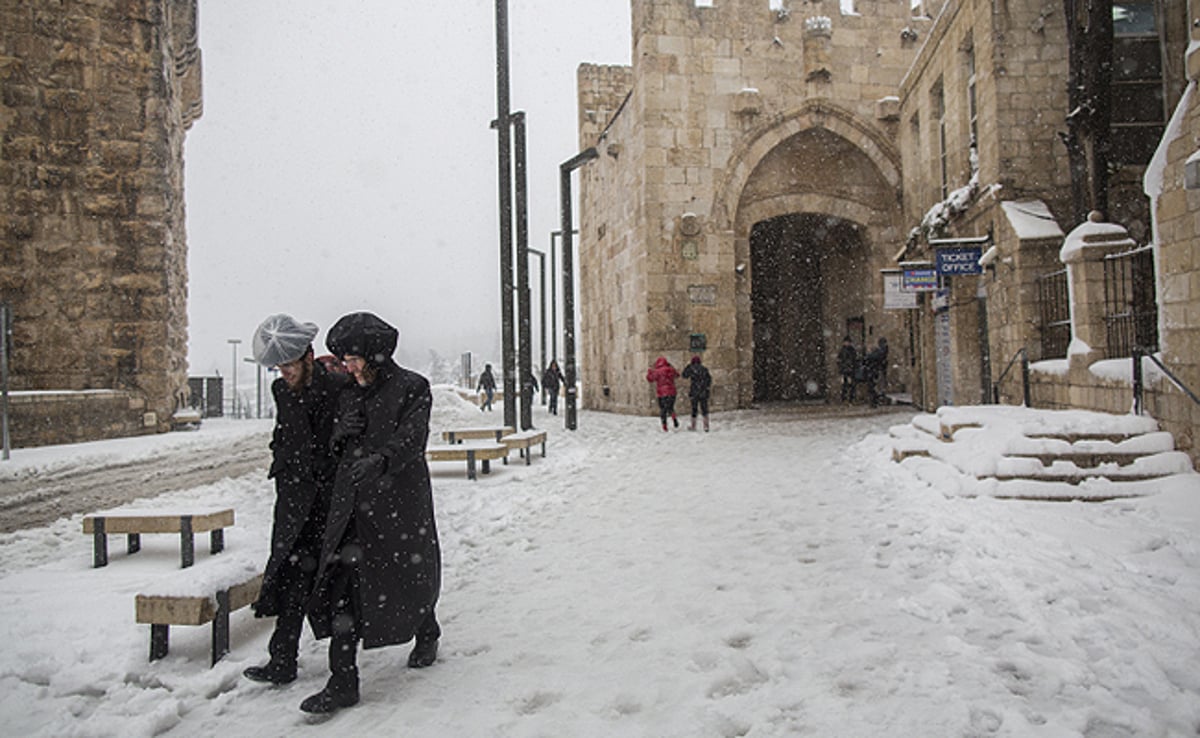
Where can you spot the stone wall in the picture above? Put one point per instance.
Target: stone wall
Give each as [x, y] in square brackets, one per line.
[96, 99]
[664, 226]
[45, 418]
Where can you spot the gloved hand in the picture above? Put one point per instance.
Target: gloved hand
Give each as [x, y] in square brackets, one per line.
[370, 466]
[352, 424]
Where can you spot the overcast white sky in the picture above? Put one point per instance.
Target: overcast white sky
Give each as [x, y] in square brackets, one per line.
[345, 161]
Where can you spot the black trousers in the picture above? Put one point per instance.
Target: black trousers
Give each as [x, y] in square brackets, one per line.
[666, 408]
[700, 404]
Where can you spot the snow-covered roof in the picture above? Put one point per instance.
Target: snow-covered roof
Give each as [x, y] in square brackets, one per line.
[1031, 219]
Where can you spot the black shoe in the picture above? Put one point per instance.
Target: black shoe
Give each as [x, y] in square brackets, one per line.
[424, 653]
[272, 672]
[338, 693]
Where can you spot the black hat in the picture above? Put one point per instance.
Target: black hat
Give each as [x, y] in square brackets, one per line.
[362, 334]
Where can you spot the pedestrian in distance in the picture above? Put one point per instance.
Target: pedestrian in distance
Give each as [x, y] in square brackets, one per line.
[487, 385]
[698, 391]
[380, 567]
[847, 364]
[875, 367]
[303, 467]
[530, 390]
[663, 375]
[552, 380]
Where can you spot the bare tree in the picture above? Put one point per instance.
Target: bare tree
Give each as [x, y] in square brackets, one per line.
[1089, 98]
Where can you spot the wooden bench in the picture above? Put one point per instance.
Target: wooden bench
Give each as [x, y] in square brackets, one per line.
[524, 440]
[175, 601]
[494, 432]
[133, 523]
[476, 450]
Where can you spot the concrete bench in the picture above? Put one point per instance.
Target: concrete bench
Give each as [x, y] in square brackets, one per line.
[133, 523]
[225, 586]
[493, 432]
[482, 451]
[524, 440]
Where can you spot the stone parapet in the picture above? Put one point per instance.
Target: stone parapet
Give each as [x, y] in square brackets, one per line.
[56, 417]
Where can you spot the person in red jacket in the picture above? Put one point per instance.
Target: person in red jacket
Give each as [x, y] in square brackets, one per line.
[663, 375]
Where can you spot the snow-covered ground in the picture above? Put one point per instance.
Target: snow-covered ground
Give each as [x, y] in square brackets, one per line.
[779, 576]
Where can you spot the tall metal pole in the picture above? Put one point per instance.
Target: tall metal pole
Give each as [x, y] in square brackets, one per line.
[505, 184]
[234, 405]
[5, 335]
[554, 235]
[544, 362]
[568, 278]
[524, 327]
[553, 300]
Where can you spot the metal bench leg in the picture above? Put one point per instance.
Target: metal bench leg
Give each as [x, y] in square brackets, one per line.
[216, 541]
[133, 543]
[220, 627]
[158, 640]
[187, 542]
[487, 466]
[471, 465]
[543, 449]
[99, 544]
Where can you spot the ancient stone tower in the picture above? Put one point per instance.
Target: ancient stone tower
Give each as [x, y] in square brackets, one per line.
[97, 97]
[746, 196]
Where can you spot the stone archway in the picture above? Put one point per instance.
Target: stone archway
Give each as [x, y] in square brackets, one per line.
[809, 205]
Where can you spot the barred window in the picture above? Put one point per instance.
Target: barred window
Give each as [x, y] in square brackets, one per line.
[1130, 302]
[1054, 304]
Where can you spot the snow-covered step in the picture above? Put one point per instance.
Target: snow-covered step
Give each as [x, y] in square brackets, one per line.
[1153, 466]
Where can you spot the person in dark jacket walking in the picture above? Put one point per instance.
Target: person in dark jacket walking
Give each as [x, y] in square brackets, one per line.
[847, 364]
[701, 385]
[552, 380]
[875, 367]
[487, 385]
[662, 374]
[380, 567]
[303, 468]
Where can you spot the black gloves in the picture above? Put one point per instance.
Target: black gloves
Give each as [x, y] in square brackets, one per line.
[368, 467]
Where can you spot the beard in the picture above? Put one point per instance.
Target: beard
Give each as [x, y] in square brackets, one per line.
[302, 378]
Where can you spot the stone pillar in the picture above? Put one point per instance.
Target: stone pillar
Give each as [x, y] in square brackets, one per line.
[1083, 252]
[818, 39]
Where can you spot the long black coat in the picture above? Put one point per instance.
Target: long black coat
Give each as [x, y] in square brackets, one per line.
[303, 467]
[401, 571]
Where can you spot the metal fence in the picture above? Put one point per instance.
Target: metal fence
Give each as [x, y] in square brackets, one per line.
[1130, 302]
[1054, 304]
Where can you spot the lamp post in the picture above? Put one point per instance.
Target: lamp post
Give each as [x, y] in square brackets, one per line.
[257, 386]
[234, 402]
[554, 236]
[542, 321]
[568, 276]
[504, 156]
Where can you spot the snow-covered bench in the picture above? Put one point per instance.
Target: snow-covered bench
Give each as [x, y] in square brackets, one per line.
[482, 451]
[494, 432]
[202, 594]
[524, 440]
[133, 523]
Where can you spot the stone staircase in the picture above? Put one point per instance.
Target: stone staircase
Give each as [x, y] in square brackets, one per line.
[1018, 452]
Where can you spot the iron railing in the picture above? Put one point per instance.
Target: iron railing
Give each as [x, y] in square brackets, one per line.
[1054, 304]
[1130, 302]
[1023, 355]
[1139, 386]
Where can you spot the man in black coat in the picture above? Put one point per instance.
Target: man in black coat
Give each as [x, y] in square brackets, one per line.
[847, 364]
[699, 390]
[875, 368]
[552, 380]
[380, 569]
[303, 467]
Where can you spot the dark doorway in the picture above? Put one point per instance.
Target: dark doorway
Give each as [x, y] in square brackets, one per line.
[795, 259]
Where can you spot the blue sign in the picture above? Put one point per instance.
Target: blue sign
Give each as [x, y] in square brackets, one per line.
[918, 280]
[959, 260]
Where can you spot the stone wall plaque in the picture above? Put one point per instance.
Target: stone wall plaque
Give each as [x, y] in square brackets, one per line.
[702, 294]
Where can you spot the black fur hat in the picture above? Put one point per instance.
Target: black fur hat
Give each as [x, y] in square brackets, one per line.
[362, 334]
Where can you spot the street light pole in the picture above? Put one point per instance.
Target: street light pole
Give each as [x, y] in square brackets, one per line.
[524, 326]
[234, 405]
[257, 385]
[568, 276]
[504, 144]
[554, 236]
[542, 321]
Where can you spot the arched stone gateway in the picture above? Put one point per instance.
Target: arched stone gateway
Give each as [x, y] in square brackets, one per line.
[811, 209]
